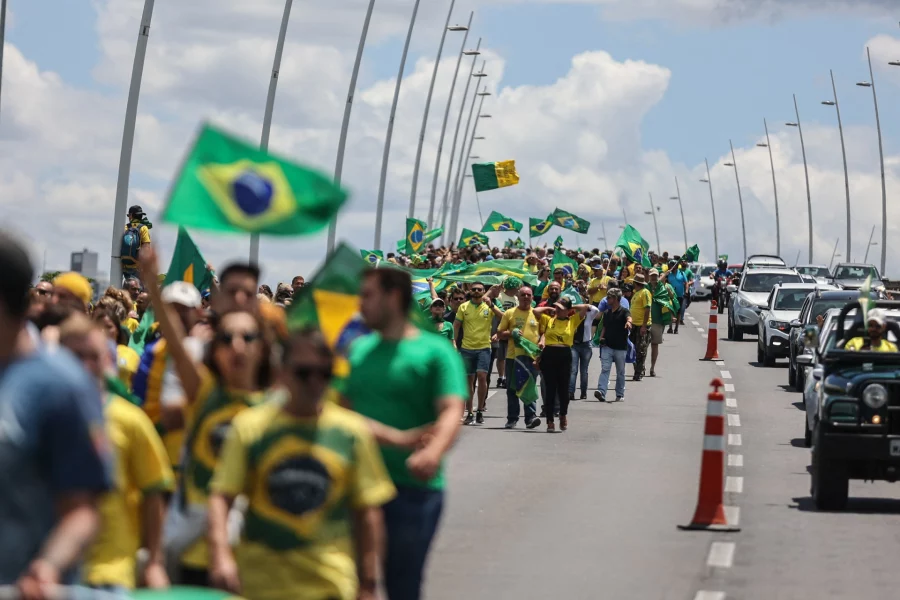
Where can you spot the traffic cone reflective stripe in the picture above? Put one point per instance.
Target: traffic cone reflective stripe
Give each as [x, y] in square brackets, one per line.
[712, 338]
[710, 512]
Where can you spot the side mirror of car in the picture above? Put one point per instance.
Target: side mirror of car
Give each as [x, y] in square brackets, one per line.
[795, 323]
[804, 359]
[731, 288]
[817, 373]
[885, 280]
[811, 336]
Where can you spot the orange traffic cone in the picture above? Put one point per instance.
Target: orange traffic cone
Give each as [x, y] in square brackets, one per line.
[712, 336]
[710, 513]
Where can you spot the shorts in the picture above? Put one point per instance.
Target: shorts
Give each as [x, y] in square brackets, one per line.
[501, 349]
[656, 333]
[476, 361]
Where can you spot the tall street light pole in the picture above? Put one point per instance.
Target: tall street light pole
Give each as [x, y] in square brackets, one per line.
[768, 145]
[379, 210]
[871, 84]
[468, 138]
[345, 124]
[437, 63]
[834, 253]
[680, 208]
[870, 244]
[2, 36]
[652, 212]
[837, 107]
[454, 219]
[733, 164]
[134, 93]
[799, 127]
[440, 148]
[270, 108]
[462, 107]
[712, 204]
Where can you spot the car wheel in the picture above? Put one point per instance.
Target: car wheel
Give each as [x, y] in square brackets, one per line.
[738, 334]
[807, 434]
[768, 359]
[730, 330]
[792, 373]
[800, 378]
[759, 354]
[830, 482]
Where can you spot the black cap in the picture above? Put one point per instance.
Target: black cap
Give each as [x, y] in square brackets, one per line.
[136, 210]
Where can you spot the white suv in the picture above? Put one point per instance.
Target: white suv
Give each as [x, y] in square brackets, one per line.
[784, 305]
[752, 297]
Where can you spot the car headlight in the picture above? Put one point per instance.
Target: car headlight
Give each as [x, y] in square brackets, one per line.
[875, 395]
[779, 325]
[744, 303]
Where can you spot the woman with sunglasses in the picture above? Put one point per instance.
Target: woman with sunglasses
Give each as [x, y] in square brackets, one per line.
[233, 376]
[556, 359]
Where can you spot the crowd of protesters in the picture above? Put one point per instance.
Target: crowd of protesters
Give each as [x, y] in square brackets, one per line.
[192, 425]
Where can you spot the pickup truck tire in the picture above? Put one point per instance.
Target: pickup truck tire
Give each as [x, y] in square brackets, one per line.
[792, 373]
[830, 483]
[807, 434]
[800, 378]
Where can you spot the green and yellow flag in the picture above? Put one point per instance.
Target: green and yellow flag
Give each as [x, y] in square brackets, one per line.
[429, 237]
[567, 220]
[491, 272]
[415, 235]
[634, 246]
[558, 242]
[692, 254]
[519, 244]
[561, 261]
[371, 256]
[188, 264]
[497, 222]
[490, 176]
[228, 185]
[470, 238]
[539, 227]
[182, 593]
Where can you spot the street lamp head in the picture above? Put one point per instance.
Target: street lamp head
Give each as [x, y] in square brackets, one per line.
[457, 28]
[864, 84]
[479, 74]
[704, 181]
[471, 52]
[484, 116]
[828, 102]
[792, 124]
[728, 164]
[673, 197]
[894, 63]
[762, 145]
[484, 93]
[472, 157]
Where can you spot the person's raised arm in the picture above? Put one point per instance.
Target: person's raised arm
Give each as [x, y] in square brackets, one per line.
[172, 330]
[430, 281]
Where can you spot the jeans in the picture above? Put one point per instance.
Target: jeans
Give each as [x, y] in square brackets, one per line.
[411, 520]
[581, 358]
[512, 401]
[556, 366]
[684, 302]
[476, 360]
[607, 357]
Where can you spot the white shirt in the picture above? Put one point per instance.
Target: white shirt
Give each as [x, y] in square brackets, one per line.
[592, 314]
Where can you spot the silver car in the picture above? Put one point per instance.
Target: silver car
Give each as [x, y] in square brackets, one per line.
[819, 273]
[703, 283]
[751, 297]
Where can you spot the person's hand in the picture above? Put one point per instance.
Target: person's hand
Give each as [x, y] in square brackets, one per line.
[423, 463]
[367, 594]
[155, 576]
[429, 279]
[643, 330]
[412, 439]
[495, 338]
[223, 574]
[820, 320]
[38, 581]
[628, 325]
[148, 264]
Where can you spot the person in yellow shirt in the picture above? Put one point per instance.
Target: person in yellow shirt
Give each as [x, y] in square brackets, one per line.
[133, 513]
[876, 326]
[315, 480]
[640, 307]
[127, 360]
[474, 319]
[600, 282]
[556, 360]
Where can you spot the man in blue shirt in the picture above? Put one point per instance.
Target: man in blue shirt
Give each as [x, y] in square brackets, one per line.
[54, 458]
[678, 280]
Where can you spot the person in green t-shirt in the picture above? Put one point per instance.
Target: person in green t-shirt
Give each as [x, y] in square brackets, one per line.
[436, 309]
[660, 314]
[409, 384]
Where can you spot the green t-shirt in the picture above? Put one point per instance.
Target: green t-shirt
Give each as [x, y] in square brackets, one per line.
[446, 329]
[398, 383]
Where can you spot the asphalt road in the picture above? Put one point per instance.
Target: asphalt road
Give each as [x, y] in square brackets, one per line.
[587, 513]
[592, 512]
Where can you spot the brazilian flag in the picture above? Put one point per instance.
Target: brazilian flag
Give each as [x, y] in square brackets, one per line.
[415, 235]
[634, 246]
[558, 243]
[567, 220]
[228, 185]
[371, 256]
[490, 272]
[470, 238]
[561, 261]
[188, 264]
[539, 227]
[497, 222]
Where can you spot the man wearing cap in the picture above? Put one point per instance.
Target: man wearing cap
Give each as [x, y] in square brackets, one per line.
[436, 309]
[74, 290]
[599, 283]
[137, 222]
[876, 325]
[661, 314]
[641, 315]
[507, 299]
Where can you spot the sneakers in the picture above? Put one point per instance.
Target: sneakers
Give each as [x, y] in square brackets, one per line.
[563, 423]
[620, 399]
[583, 396]
[500, 382]
[572, 396]
[637, 378]
[551, 428]
[479, 417]
[510, 425]
[600, 397]
[470, 418]
[535, 422]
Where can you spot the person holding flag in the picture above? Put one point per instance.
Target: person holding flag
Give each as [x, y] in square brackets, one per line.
[640, 307]
[520, 326]
[662, 311]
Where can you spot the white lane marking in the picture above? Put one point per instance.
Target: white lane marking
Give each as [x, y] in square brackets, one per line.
[735, 460]
[704, 595]
[735, 485]
[700, 330]
[734, 439]
[731, 402]
[734, 420]
[721, 554]
[720, 363]
[726, 374]
[733, 515]
[729, 387]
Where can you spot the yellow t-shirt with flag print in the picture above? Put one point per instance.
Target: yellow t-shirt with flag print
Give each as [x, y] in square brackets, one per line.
[303, 477]
[141, 467]
[208, 420]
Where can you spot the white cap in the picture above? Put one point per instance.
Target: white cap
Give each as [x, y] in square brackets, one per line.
[877, 315]
[183, 293]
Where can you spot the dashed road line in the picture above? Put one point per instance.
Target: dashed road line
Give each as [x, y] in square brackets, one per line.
[721, 555]
[720, 363]
[704, 595]
[726, 374]
[731, 402]
[729, 387]
[734, 439]
[700, 330]
[735, 485]
[735, 460]
[733, 515]
[734, 420]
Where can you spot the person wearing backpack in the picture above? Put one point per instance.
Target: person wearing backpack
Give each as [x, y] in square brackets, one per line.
[136, 236]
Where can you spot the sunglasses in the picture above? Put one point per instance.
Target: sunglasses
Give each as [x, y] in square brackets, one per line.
[477, 290]
[228, 338]
[305, 372]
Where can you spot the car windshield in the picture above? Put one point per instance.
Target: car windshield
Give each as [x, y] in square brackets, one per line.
[707, 271]
[848, 272]
[764, 282]
[790, 299]
[820, 307]
[813, 271]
